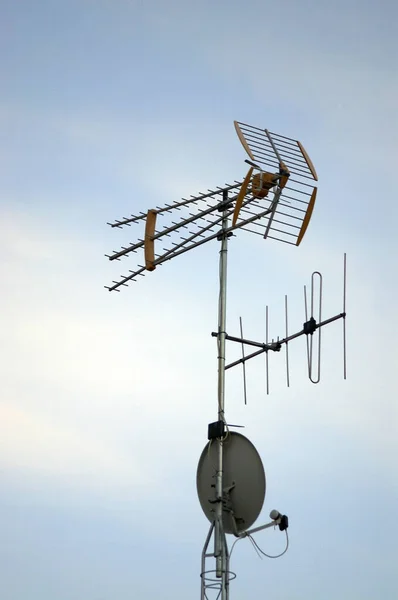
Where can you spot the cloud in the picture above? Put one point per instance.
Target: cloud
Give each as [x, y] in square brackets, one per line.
[83, 367]
[105, 397]
[89, 378]
[31, 443]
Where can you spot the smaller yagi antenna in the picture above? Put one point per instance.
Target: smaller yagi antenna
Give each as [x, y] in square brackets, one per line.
[311, 330]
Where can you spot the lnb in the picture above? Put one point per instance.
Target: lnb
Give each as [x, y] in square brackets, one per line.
[274, 515]
[281, 520]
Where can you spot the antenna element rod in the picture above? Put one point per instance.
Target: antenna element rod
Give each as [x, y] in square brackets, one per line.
[266, 353]
[243, 362]
[344, 313]
[287, 345]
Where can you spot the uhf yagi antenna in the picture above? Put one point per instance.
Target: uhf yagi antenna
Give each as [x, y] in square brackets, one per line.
[275, 200]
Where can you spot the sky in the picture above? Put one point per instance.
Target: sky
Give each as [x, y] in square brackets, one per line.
[112, 107]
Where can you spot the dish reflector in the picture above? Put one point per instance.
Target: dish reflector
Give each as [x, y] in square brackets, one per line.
[243, 482]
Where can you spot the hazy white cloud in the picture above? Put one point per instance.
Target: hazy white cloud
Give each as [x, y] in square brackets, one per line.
[106, 397]
[78, 370]
[29, 442]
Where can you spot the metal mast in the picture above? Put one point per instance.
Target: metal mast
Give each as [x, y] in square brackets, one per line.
[220, 549]
[218, 579]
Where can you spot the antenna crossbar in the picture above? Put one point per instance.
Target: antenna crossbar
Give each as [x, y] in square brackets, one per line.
[171, 254]
[280, 218]
[274, 346]
[175, 206]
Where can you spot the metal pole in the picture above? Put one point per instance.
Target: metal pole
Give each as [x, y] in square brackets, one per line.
[220, 550]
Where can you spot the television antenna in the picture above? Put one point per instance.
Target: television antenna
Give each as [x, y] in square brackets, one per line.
[275, 200]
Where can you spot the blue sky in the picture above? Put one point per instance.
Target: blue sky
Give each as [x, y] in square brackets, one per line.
[112, 107]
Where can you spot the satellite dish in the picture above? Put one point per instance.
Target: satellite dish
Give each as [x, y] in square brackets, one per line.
[243, 482]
